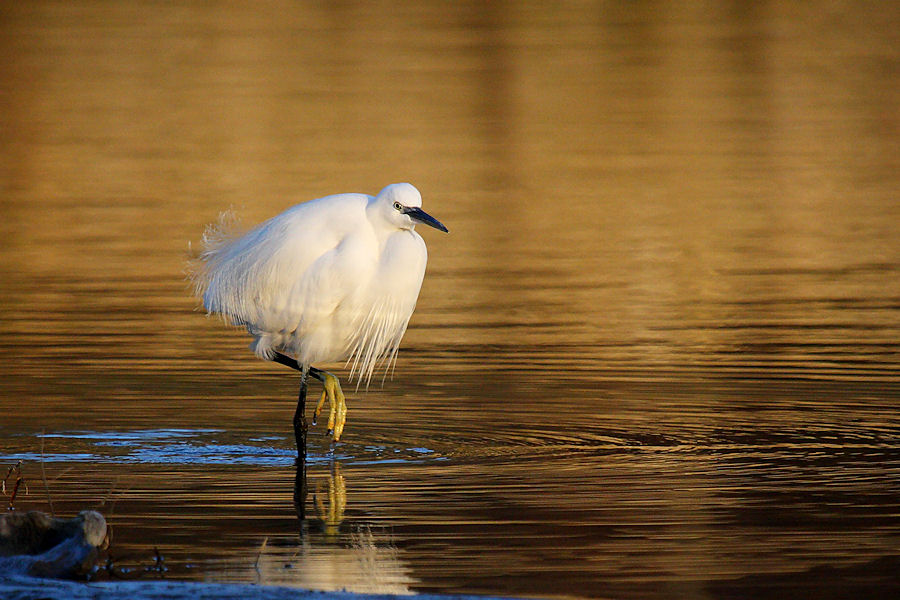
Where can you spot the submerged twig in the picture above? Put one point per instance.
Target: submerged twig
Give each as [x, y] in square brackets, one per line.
[12, 497]
[112, 494]
[44, 477]
[160, 565]
[262, 547]
[17, 470]
[14, 468]
[61, 474]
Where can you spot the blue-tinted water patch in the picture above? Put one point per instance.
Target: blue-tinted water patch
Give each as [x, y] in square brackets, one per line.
[61, 457]
[205, 447]
[131, 436]
[219, 454]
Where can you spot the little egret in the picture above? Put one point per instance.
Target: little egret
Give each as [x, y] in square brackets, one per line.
[332, 279]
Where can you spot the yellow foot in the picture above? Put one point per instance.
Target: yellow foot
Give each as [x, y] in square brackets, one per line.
[338, 413]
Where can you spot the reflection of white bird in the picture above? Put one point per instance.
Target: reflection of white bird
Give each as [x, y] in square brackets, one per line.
[367, 563]
[331, 279]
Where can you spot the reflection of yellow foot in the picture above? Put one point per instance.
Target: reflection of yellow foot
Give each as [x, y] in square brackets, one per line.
[337, 415]
[332, 513]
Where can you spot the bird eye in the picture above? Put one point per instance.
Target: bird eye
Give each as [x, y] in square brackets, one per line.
[398, 206]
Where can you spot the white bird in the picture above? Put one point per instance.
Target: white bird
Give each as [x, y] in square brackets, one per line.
[332, 279]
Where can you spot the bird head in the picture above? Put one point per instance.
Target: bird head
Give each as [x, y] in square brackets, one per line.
[401, 204]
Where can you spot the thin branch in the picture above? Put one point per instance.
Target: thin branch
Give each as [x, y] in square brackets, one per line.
[44, 477]
[262, 547]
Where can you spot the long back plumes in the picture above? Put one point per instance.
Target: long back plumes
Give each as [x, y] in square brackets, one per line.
[230, 266]
[215, 236]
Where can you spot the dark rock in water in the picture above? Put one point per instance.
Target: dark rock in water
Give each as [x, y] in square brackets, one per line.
[34, 543]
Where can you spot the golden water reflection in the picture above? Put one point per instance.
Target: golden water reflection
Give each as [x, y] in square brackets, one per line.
[361, 559]
[657, 356]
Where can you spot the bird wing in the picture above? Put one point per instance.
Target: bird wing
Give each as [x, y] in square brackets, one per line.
[284, 276]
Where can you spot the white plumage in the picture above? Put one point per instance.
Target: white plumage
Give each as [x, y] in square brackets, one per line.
[328, 280]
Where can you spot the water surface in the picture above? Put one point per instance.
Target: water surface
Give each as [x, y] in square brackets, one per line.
[657, 357]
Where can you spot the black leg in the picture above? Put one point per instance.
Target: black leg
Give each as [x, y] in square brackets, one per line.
[300, 488]
[300, 426]
[305, 373]
[293, 364]
[300, 429]
[286, 361]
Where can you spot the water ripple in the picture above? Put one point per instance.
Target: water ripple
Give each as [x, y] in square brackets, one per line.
[203, 447]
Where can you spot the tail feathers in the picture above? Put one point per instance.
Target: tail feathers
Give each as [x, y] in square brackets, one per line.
[202, 267]
[230, 273]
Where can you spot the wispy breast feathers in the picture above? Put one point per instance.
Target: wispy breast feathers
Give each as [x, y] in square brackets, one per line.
[377, 339]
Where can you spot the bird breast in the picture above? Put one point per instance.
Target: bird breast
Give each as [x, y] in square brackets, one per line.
[385, 305]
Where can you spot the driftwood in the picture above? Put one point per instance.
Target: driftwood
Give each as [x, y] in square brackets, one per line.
[36, 544]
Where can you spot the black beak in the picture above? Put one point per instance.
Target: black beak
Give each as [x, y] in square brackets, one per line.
[420, 216]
